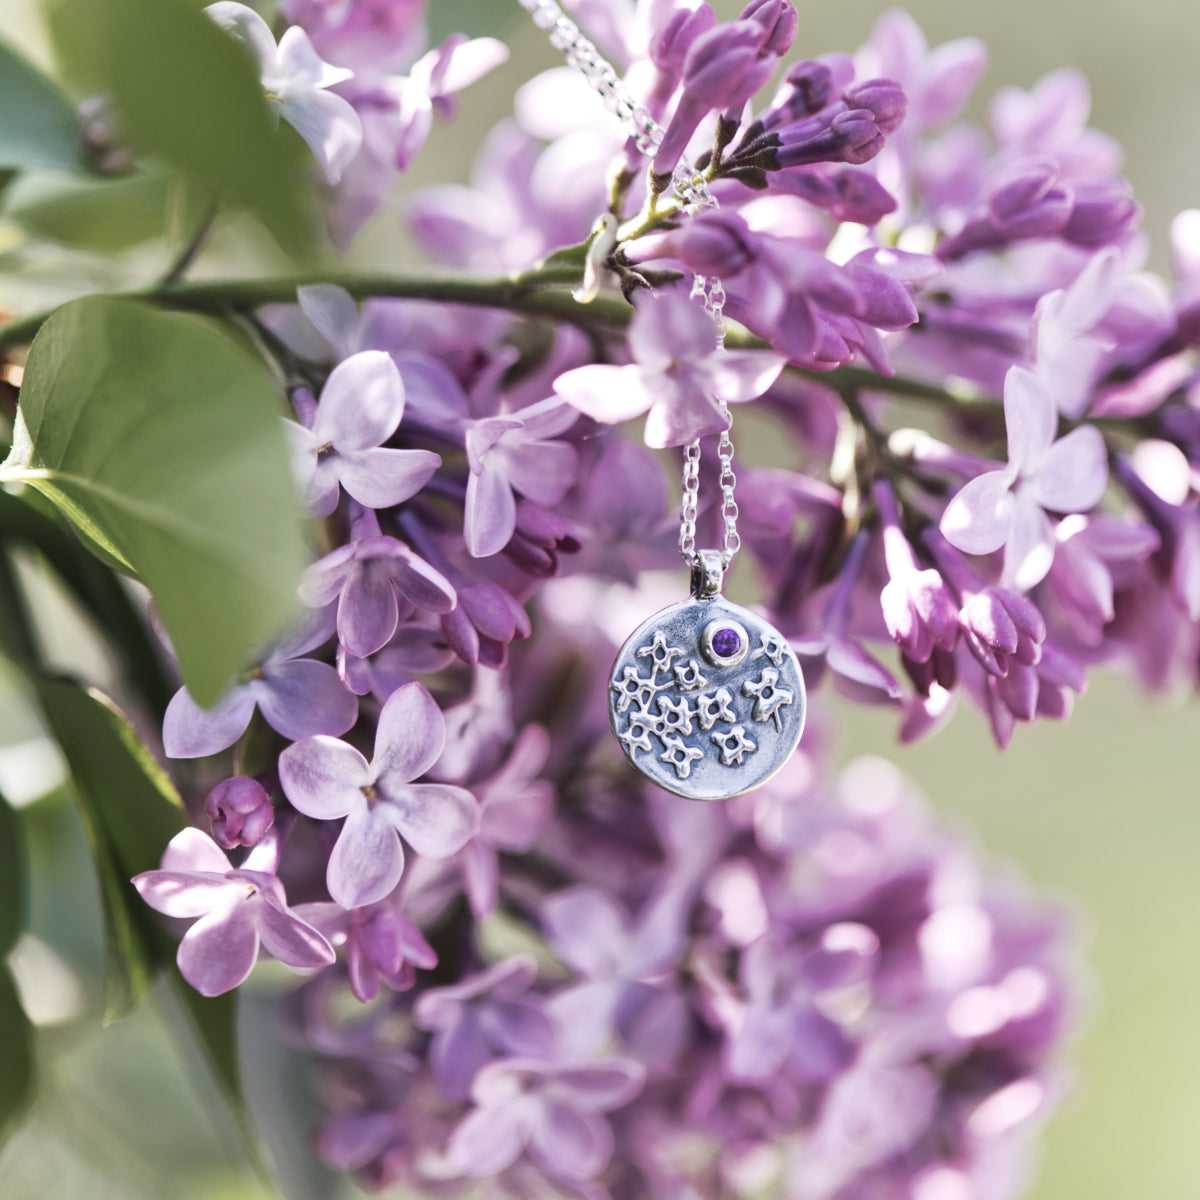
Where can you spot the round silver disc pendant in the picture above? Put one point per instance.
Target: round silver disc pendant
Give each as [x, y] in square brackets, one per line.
[707, 699]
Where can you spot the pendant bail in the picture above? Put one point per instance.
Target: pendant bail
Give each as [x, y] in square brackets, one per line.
[708, 573]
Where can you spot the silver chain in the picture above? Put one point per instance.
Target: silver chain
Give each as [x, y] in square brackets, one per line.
[691, 189]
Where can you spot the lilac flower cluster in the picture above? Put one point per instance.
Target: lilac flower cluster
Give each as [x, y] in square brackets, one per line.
[569, 983]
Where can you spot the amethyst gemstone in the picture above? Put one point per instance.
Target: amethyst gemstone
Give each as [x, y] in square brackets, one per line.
[726, 642]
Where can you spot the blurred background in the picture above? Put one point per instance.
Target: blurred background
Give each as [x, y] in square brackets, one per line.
[1102, 812]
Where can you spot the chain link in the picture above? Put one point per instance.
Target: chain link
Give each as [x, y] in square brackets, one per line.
[691, 189]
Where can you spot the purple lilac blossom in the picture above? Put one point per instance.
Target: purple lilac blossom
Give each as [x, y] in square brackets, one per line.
[326, 779]
[296, 82]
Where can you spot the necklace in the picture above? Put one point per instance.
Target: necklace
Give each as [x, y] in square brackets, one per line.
[706, 698]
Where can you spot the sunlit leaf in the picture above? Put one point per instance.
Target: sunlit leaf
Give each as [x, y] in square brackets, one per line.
[130, 810]
[38, 127]
[12, 879]
[16, 1053]
[189, 94]
[160, 441]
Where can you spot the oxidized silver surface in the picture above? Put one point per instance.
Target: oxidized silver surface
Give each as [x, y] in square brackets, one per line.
[699, 722]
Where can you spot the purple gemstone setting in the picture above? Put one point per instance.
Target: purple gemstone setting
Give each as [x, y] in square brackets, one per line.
[726, 642]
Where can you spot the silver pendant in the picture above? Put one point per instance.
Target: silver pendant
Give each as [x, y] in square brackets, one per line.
[706, 698]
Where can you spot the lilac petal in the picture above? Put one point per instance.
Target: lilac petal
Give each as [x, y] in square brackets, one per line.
[1030, 547]
[367, 860]
[587, 929]
[490, 1139]
[758, 1047]
[456, 1054]
[193, 850]
[543, 471]
[680, 415]
[333, 313]
[219, 950]
[602, 1086]
[351, 1142]
[408, 738]
[740, 375]
[464, 63]
[290, 940]
[368, 613]
[190, 731]
[246, 26]
[381, 478]
[1073, 473]
[303, 697]
[421, 585]
[979, 517]
[310, 631]
[436, 819]
[609, 394]
[323, 488]
[546, 419]
[519, 1027]
[187, 893]
[481, 877]
[323, 582]
[670, 328]
[323, 777]
[328, 123]
[1030, 417]
[490, 516]
[568, 1144]
[852, 662]
[361, 404]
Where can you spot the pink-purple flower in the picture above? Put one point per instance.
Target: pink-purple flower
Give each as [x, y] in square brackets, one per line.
[380, 800]
[238, 909]
[1008, 508]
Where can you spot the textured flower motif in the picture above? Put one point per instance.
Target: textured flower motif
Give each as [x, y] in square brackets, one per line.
[295, 81]
[551, 1110]
[1008, 507]
[239, 909]
[297, 697]
[678, 376]
[360, 407]
[511, 453]
[370, 577]
[325, 778]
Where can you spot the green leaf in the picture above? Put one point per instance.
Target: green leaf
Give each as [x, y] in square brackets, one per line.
[16, 1053]
[103, 215]
[12, 879]
[189, 93]
[32, 521]
[160, 440]
[130, 810]
[39, 127]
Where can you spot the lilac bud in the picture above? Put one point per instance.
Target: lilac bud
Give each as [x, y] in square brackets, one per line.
[807, 88]
[845, 194]
[778, 21]
[884, 98]
[241, 812]
[999, 625]
[1104, 212]
[540, 537]
[851, 137]
[1034, 204]
[670, 45]
[485, 620]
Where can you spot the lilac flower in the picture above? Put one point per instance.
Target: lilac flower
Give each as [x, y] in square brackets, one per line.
[548, 1109]
[239, 909]
[360, 407]
[295, 81]
[382, 945]
[678, 375]
[369, 577]
[325, 778]
[514, 804]
[485, 1015]
[377, 34]
[918, 609]
[297, 696]
[241, 812]
[1007, 507]
[515, 452]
